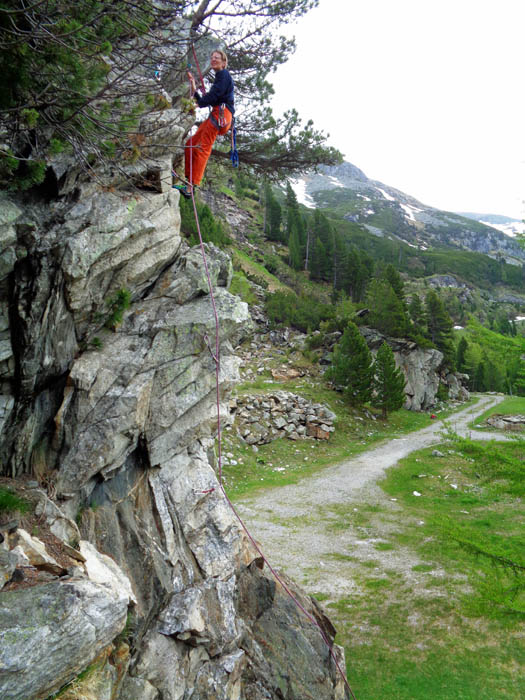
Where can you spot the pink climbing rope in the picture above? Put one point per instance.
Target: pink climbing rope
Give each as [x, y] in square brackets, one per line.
[198, 68]
[216, 358]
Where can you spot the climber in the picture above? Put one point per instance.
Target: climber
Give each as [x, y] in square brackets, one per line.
[220, 99]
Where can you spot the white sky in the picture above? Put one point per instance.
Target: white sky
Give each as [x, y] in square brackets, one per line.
[426, 96]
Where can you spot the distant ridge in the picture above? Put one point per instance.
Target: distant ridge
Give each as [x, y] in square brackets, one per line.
[387, 212]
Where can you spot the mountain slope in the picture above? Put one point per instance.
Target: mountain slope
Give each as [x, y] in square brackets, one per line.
[387, 212]
[511, 227]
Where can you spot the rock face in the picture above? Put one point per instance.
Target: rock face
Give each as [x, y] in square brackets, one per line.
[421, 367]
[116, 421]
[49, 631]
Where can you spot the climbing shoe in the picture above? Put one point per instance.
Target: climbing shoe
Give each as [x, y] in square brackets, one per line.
[185, 190]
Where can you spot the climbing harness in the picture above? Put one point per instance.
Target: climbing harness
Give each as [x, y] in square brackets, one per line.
[217, 361]
[221, 121]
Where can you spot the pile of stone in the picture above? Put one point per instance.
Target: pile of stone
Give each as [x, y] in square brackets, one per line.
[263, 418]
[516, 422]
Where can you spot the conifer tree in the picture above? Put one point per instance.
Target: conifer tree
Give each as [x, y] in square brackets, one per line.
[294, 249]
[273, 216]
[519, 380]
[324, 231]
[389, 382]
[292, 209]
[352, 367]
[461, 354]
[338, 264]
[397, 284]
[417, 314]
[358, 268]
[439, 327]
[478, 381]
[318, 260]
[387, 312]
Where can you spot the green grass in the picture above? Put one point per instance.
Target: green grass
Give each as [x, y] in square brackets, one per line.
[284, 461]
[10, 502]
[241, 287]
[251, 267]
[460, 634]
[384, 546]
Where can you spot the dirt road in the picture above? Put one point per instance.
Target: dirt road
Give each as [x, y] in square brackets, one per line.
[297, 525]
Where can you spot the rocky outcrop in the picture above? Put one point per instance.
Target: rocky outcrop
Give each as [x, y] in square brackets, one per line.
[422, 370]
[50, 632]
[112, 409]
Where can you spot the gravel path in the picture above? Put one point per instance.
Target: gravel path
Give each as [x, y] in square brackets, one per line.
[295, 524]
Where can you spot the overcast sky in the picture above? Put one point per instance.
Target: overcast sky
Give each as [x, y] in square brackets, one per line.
[427, 96]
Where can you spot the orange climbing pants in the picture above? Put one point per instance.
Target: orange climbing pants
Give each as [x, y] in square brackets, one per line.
[198, 146]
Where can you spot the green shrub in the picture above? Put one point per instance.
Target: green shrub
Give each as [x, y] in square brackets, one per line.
[241, 287]
[314, 341]
[10, 502]
[212, 229]
[272, 263]
[442, 392]
[304, 313]
[117, 304]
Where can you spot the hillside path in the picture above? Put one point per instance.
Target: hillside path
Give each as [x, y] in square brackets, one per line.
[294, 524]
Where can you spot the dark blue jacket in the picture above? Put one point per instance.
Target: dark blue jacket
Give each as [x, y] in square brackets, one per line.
[221, 92]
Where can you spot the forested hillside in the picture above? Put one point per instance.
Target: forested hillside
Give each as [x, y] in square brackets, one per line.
[381, 282]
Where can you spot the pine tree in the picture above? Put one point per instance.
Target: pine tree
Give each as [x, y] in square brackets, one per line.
[272, 216]
[389, 382]
[478, 382]
[397, 284]
[461, 354]
[339, 255]
[439, 327]
[387, 312]
[317, 260]
[417, 314]
[294, 249]
[352, 367]
[292, 209]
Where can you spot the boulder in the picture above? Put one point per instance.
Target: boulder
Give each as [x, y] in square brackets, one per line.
[36, 552]
[103, 570]
[8, 563]
[203, 614]
[51, 632]
[421, 369]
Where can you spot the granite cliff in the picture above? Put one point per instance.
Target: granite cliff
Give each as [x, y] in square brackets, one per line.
[108, 421]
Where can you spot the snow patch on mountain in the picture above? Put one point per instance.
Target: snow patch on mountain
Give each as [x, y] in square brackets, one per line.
[335, 182]
[299, 187]
[512, 229]
[386, 195]
[409, 211]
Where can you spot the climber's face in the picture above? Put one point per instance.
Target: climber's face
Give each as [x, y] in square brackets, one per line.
[217, 62]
